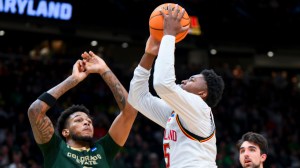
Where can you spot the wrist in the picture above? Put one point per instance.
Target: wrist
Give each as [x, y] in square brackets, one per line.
[48, 99]
[73, 80]
[103, 71]
[150, 54]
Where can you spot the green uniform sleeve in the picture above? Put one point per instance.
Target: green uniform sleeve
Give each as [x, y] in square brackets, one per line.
[50, 149]
[110, 147]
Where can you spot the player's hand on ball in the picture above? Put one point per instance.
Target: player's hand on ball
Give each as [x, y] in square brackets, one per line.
[172, 25]
[156, 20]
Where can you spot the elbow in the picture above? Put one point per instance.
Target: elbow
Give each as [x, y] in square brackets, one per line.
[31, 110]
[133, 94]
[131, 98]
[35, 109]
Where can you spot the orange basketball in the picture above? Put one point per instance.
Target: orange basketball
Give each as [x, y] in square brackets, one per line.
[156, 22]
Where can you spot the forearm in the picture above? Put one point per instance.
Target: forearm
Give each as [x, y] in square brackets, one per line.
[147, 61]
[122, 124]
[63, 87]
[57, 91]
[41, 125]
[119, 92]
[164, 70]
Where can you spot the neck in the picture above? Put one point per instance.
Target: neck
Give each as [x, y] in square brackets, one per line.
[78, 144]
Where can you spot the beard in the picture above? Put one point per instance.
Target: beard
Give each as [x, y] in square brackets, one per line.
[85, 139]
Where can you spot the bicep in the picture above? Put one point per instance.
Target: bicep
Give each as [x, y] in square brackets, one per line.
[41, 124]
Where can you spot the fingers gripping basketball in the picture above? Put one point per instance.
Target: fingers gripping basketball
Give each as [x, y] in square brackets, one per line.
[156, 22]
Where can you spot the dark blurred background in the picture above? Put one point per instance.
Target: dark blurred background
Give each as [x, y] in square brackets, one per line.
[253, 44]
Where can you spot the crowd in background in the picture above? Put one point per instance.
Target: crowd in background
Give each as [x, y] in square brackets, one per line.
[267, 103]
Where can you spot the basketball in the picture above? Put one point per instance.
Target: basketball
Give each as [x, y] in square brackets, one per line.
[156, 20]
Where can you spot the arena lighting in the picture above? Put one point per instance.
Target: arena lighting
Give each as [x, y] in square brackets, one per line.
[45, 9]
[270, 54]
[2, 32]
[213, 51]
[125, 45]
[94, 43]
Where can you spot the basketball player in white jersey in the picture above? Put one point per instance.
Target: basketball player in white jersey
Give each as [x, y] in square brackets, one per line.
[183, 110]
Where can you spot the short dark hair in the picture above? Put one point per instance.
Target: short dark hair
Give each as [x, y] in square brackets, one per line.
[255, 138]
[215, 87]
[61, 121]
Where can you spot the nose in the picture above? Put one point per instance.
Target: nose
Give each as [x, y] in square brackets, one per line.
[183, 82]
[246, 155]
[86, 122]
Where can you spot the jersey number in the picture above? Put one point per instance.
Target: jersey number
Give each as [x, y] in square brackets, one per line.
[167, 154]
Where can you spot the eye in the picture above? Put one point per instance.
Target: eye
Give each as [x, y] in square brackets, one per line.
[191, 79]
[242, 151]
[79, 120]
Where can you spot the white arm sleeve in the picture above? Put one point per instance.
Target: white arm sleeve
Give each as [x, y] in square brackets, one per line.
[194, 113]
[141, 99]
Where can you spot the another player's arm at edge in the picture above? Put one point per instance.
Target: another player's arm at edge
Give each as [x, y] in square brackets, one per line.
[121, 126]
[41, 124]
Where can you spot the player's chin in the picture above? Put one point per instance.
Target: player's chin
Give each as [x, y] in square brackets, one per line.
[87, 135]
[248, 164]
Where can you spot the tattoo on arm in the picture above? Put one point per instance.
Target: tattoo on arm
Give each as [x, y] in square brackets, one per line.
[116, 87]
[42, 126]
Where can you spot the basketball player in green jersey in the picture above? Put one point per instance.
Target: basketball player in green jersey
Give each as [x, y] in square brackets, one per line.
[74, 146]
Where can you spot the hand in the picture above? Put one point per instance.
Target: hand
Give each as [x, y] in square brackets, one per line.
[152, 46]
[78, 71]
[93, 63]
[172, 25]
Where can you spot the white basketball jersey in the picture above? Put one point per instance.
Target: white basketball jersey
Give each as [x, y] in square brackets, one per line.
[189, 150]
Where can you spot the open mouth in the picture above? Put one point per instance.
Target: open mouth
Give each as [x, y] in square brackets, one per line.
[247, 161]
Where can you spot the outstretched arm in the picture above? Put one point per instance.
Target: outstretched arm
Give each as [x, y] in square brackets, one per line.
[41, 125]
[122, 124]
[139, 96]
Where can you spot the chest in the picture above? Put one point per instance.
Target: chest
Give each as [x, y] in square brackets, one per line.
[94, 157]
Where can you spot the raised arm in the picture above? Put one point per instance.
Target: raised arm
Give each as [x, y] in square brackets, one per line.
[41, 125]
[120, 128]
[139, 95]
[151, 52]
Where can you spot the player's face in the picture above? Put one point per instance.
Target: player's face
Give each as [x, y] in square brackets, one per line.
[250, 156]
[195, 84]
[81, 126]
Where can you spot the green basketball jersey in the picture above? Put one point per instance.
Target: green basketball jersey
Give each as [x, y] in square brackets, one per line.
[58, 154]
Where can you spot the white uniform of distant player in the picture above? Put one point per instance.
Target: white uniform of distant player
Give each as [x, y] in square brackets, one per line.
[176, 106]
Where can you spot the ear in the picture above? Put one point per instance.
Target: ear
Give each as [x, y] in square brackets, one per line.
[202, 94]
[65, 132]
[263, 157]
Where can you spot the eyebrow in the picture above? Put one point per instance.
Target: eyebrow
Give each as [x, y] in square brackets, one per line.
[77, 116]
[248, 147]
[252, 147]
